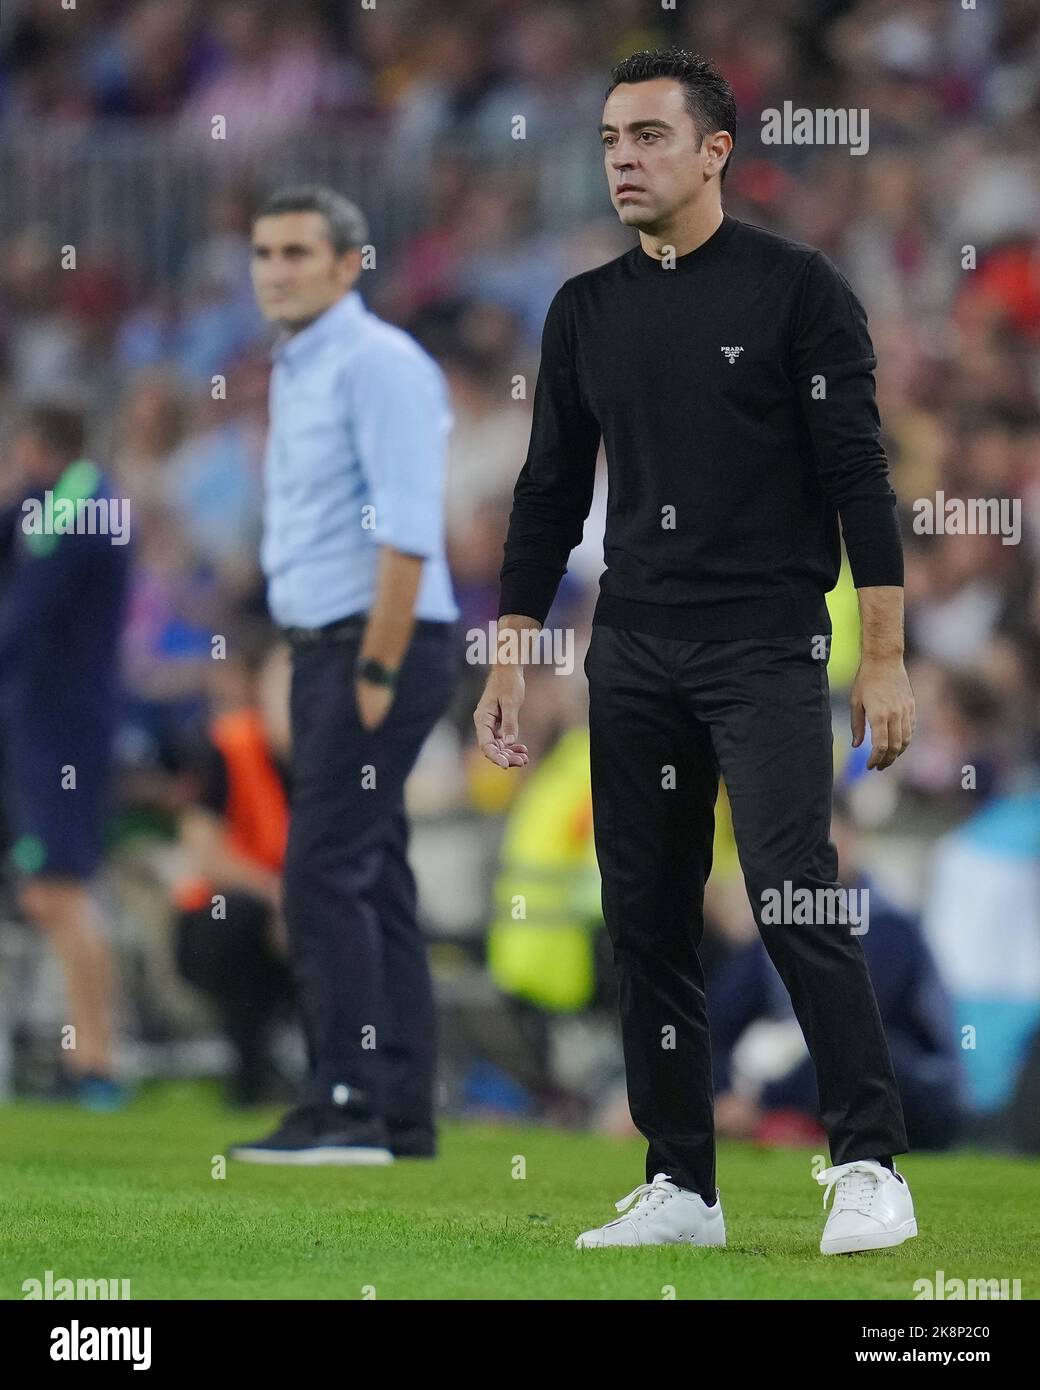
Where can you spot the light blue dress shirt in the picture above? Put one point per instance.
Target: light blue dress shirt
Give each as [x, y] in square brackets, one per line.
[355, 459]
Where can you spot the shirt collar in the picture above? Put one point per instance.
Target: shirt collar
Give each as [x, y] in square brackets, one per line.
[342, 317]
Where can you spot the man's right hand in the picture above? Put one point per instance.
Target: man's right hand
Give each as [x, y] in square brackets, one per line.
[496, 717]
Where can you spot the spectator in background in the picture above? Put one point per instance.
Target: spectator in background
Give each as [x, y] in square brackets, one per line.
[982, 920]
[963, 746]
[146, 64]
[211, 322]
[149, 426]
[274, 73]
[213, 481]
[40, 57]
[61, 609]
[44, 343]
[229, 935]
[547, 80]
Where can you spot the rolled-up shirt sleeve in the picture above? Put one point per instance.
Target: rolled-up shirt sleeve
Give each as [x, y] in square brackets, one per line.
[832, 362]
[553, 494]
[401, 419]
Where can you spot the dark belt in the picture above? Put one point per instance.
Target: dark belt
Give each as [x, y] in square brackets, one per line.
[354, 626]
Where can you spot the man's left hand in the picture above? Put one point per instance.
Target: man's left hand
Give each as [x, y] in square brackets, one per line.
[881, 696]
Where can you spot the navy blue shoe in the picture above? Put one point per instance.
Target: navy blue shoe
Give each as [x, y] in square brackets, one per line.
[318, 1135]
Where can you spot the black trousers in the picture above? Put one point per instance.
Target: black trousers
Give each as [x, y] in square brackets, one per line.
[358, 952]
[665, 718]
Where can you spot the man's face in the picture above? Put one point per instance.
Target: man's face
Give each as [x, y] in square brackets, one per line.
[296, 273]
[652, 152]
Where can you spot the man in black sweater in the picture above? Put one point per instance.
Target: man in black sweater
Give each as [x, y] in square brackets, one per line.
[729, 373]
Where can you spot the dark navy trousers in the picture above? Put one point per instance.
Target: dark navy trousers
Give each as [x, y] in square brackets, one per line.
[666, 717]
[359, 955]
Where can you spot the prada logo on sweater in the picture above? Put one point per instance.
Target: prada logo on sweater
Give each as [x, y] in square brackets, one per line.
[732, 353]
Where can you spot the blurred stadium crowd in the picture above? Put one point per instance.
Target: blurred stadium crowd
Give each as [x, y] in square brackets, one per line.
[409, 108]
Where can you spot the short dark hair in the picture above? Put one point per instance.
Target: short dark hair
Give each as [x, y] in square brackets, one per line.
[61, 428]
[345, 220]
[709, 97]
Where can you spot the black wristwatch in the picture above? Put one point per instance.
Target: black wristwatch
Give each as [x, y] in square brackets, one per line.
[368, 669]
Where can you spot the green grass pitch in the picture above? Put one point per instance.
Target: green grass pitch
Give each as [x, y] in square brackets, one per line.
[132, 1196]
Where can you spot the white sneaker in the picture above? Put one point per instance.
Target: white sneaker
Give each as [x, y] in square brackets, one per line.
[872, 1208]
[664, 1215]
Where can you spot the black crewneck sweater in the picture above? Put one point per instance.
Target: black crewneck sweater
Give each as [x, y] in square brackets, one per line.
[734, 393]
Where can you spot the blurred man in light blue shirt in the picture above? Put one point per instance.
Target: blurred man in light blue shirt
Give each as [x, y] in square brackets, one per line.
[353, 551]
[355, 460]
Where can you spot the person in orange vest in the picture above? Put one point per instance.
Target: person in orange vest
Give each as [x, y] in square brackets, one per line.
[228, 933]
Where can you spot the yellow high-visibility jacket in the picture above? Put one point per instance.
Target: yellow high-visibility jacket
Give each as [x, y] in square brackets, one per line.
[547, 893]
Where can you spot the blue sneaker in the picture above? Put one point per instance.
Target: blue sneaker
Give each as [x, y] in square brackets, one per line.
[93, 1091]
